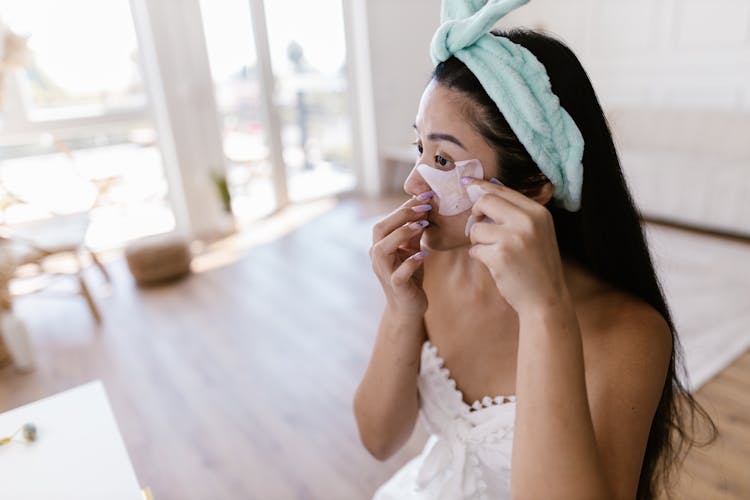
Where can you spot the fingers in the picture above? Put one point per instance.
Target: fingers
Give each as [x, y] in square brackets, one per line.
[495, 207]
[414, 244]
[401, 277]
[402, 215]
[482, 253]
[501, 190]
[405, 253]
[485, 233]
[408, 233]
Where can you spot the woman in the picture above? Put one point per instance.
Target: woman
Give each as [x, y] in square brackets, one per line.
[558, 307]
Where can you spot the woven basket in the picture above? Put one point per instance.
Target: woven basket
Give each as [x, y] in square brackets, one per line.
[158, 259]
[5, 358]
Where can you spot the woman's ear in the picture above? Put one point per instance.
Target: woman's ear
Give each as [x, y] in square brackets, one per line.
[544, 194]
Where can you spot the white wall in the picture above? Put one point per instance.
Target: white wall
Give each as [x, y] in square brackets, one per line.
[399, 34]
[684, 54]
[674, 76]
[687, 54]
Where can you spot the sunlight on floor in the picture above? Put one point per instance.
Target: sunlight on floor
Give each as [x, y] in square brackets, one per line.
[259, 232]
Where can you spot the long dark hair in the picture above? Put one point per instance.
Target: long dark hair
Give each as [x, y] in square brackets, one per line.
[605, 235]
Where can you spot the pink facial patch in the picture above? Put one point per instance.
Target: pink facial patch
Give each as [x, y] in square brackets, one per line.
[451, 195]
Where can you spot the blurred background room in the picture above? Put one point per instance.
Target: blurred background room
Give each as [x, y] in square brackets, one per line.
[187, 192]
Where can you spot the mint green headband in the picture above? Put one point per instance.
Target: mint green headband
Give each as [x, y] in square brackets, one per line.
[518, 83]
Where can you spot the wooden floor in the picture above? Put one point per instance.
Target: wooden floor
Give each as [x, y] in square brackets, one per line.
[722, 471]
[237, 383]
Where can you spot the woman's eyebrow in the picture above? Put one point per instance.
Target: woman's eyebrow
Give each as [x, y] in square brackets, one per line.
[443, 137]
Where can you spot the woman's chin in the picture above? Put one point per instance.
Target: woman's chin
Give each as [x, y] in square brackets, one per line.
[440, 237]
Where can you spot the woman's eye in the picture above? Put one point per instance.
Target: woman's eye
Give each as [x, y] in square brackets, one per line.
[442, 161]
[419, 147]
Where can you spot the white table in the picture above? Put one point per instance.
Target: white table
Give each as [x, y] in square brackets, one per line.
[78, 455]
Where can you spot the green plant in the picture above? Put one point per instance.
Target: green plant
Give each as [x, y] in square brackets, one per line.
[220, 181]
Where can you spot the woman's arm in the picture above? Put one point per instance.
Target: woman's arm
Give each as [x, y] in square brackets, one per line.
[579, 434]
[386, 404]
[554, 446]
[582, 434]
[386, 401]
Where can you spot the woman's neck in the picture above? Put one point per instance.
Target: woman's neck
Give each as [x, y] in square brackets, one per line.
[455, 269]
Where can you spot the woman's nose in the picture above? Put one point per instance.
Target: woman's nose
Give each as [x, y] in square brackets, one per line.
[415, 183]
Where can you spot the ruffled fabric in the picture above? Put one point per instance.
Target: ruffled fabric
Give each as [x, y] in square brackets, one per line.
[468, 453]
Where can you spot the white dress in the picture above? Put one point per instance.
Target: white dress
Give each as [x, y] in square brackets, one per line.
[468, 453]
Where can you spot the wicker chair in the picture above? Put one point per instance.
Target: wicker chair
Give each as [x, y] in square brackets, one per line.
[30, 247]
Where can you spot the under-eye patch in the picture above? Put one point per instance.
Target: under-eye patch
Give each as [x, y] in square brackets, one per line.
[452, 196]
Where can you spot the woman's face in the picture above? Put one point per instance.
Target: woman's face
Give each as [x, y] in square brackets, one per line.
[444, 137]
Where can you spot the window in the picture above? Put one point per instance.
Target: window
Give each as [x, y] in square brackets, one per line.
[77, 135]
[308, 57]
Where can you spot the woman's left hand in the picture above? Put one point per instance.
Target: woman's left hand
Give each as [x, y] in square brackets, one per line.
[519, 249]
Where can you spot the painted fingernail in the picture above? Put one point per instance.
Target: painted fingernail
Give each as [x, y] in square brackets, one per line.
[419, 255]
[425, 195]
[495, 181]
[418, 224]
[422, 208]
[466, 180]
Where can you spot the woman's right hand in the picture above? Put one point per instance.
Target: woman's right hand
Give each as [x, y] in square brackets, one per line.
[397, 256]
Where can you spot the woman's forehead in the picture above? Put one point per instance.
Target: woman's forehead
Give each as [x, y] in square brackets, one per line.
[442, 110]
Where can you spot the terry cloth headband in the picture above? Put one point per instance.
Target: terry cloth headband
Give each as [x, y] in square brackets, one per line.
[518, 83]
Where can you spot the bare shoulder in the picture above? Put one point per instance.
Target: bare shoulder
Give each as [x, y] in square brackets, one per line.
[621, 324]
[627, 347]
